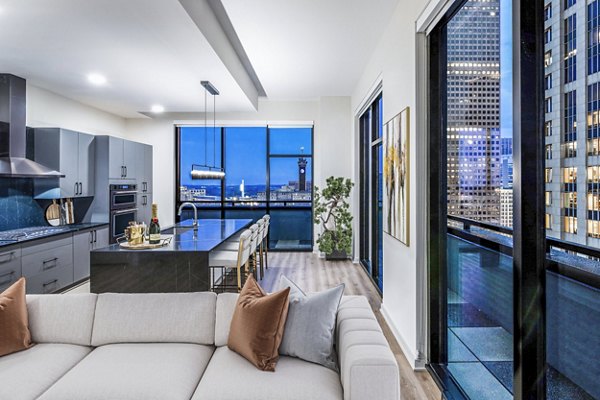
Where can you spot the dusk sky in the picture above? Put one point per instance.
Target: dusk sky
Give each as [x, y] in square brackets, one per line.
[246, 153]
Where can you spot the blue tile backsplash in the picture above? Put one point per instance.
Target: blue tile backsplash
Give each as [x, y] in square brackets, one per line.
[18, 209]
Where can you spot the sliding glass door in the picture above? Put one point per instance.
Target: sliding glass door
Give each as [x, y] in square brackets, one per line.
[514, 257]
[371, 190]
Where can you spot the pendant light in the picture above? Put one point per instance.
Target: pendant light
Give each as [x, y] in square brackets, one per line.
[206, 171]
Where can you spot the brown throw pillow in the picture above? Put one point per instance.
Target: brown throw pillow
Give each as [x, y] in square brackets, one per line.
[257, 325]
[14, 322]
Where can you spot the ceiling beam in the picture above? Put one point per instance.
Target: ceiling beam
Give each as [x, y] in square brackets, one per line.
[214, 23]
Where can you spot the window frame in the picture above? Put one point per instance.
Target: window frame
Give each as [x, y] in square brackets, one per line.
[266, 206]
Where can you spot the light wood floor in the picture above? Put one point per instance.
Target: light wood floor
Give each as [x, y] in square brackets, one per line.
[314, 274]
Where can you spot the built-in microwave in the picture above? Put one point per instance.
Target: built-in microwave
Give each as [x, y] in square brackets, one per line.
[123, 196]
[119, 220]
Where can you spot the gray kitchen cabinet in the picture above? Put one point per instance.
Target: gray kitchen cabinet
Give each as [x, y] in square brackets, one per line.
[48, 266]
[73, 154]
[146, 170]
[116, 166]
[50, 281]
[121, 157]
[86, 157]
[132, 153]
[100, 238]
[83, 243]
[144, 205]
[10, 267]
[47, 256]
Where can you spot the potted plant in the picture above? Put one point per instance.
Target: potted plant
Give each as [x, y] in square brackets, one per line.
[332, 212]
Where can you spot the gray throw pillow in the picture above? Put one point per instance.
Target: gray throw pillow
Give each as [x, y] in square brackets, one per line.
[310, 325]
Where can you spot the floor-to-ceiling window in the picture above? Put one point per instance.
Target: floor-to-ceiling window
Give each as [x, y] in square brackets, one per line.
[371, 190]
[268, 169]
[512, 316]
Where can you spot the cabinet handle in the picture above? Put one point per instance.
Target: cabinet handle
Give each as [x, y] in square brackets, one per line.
[53, 281]
[54, 260]
[8, 257]
[126, 171]
[95, 236]
[91, 237]
[80, 188]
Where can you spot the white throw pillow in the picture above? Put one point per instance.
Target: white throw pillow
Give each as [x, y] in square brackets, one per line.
[310, 325]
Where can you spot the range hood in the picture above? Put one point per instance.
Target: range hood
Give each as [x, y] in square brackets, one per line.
[13, 138]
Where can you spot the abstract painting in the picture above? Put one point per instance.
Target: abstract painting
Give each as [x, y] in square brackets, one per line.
[396, 133]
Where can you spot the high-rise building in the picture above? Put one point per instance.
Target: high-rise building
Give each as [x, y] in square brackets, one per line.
[572, 120]
[506, 156]
[473, 136]
[506, 207]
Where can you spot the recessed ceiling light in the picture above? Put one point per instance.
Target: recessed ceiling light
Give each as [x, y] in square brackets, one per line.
[157, 108]
[96, 79]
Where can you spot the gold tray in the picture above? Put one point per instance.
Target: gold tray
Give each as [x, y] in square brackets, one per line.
[146, 245]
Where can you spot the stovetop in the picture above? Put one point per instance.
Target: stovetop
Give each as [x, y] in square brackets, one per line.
[18, 235]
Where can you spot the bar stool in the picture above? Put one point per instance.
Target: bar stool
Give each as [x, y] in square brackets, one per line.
[265, 239]
[256, 246]
[233, 244]
[225, 259]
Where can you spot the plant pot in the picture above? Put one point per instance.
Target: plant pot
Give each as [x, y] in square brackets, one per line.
[337, 255]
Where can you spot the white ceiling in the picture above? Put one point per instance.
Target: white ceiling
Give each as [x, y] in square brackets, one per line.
[152, 52]
[304, 49]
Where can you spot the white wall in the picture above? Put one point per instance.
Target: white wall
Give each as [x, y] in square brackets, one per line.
[394, 61]
[332, 133]
[50, 110]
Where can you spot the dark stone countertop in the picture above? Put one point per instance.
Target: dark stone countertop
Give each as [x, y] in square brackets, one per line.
[51, 231]
[211, 233]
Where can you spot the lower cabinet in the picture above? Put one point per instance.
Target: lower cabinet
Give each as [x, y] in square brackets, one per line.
[48, 266]
[10, 267]
[51, 264]
[83, 243]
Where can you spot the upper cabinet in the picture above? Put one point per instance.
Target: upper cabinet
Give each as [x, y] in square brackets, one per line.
[145, 169]
[71, 153]
[125, 160]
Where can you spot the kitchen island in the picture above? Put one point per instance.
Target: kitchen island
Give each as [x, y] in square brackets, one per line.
[180, 266]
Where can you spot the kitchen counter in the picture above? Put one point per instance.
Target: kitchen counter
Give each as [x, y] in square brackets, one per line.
[210, 234]
[181, 266]
[32, 234]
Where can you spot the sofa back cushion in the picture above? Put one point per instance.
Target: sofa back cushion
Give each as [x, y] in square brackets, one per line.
[225, 307]
[155, 318]
[61, 318]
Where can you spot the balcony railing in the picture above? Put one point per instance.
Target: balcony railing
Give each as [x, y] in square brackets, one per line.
[480, 284]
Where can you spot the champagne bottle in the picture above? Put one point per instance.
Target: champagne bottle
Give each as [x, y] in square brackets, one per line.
[154, 229]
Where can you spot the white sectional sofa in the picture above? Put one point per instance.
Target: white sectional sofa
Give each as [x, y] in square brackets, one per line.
[174, 346]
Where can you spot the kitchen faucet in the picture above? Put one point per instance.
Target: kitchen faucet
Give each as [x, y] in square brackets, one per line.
[182, 206]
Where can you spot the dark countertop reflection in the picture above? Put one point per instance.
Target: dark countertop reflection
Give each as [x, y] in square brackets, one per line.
[211, 233]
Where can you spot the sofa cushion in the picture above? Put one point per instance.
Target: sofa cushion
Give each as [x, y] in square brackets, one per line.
[155, 318]
[14, 326]
[230, 377]
[310, 325]
[368, 368]
[225, 307]
[149, 371]
[61, 318]
[27, 374]
[258, 323]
